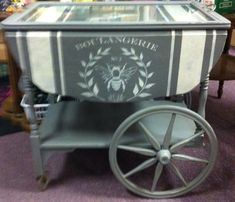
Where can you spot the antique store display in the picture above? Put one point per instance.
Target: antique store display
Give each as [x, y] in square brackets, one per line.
[120, 60]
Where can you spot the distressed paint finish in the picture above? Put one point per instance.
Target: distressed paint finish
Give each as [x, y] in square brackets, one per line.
[171, 62]
[40, 57]
[117, 67]
[61, 64]
[191, 59]
[151, 64]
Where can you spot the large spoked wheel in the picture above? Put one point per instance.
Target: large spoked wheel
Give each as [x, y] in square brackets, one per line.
[164, 159]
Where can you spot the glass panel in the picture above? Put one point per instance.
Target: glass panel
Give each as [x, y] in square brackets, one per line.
[182, 13]
[46, 14]
[116, 13]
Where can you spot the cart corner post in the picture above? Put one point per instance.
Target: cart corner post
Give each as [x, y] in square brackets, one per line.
[203, 94]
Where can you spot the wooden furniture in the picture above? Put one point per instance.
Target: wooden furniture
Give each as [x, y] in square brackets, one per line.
[121, 54]
[225, 68]
[3, 49]
[233, 38]
[10, 108]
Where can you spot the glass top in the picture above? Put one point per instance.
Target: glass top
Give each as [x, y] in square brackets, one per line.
[116, 13]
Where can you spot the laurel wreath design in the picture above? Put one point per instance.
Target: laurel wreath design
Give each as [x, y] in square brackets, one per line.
[91, 88]
[89, 84]
[142, 83]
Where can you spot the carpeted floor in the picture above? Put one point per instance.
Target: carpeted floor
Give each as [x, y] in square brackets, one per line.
[72, 181]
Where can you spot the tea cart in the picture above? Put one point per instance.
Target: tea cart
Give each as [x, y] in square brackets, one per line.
[117, 59]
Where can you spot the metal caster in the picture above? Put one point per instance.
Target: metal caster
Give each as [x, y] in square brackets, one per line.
[43, 181]
[157, 144]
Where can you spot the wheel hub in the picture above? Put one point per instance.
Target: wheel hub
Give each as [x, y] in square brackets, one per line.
[164, 156]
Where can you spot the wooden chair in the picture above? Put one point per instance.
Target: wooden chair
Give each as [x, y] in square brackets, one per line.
[10, 108]
[225, 68]
[3, 49]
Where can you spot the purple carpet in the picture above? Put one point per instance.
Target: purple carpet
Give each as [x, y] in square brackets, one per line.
[73, 182]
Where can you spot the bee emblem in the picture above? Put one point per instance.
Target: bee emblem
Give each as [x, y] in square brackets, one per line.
[115, 75]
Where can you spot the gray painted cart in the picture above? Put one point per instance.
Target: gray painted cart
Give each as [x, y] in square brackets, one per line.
[117, 59]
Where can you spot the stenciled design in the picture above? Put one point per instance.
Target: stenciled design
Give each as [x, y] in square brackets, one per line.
[116, 74]
[142, 83]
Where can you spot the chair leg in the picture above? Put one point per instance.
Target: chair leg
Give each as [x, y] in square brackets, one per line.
[220, 89]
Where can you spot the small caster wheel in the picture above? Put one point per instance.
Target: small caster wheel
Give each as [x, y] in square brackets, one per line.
[43, 181]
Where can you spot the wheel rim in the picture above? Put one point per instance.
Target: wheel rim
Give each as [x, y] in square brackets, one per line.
[162, 155]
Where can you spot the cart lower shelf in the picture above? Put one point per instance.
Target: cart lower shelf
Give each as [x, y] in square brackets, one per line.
[69, 125]
[154, 139]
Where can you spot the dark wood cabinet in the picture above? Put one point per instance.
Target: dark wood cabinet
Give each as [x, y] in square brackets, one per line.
[225, 68]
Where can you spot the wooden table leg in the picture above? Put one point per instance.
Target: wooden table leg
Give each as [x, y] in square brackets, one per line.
[11, 109]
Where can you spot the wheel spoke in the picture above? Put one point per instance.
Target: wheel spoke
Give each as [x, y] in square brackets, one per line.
[167, 138]
[139, 150]
[157, 175]
[178, 174]
[150, 137]
[188, 158]
[142, 166]
[182, 143]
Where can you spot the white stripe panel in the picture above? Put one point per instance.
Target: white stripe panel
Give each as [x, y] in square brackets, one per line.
[212, 50]
[61, 64]
[191, 60]
[20, 50]
[41, 62]
[171, 63]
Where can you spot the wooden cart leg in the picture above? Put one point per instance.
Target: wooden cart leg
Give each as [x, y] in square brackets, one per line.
[203, 96]
[37, 155]
[39, 161]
